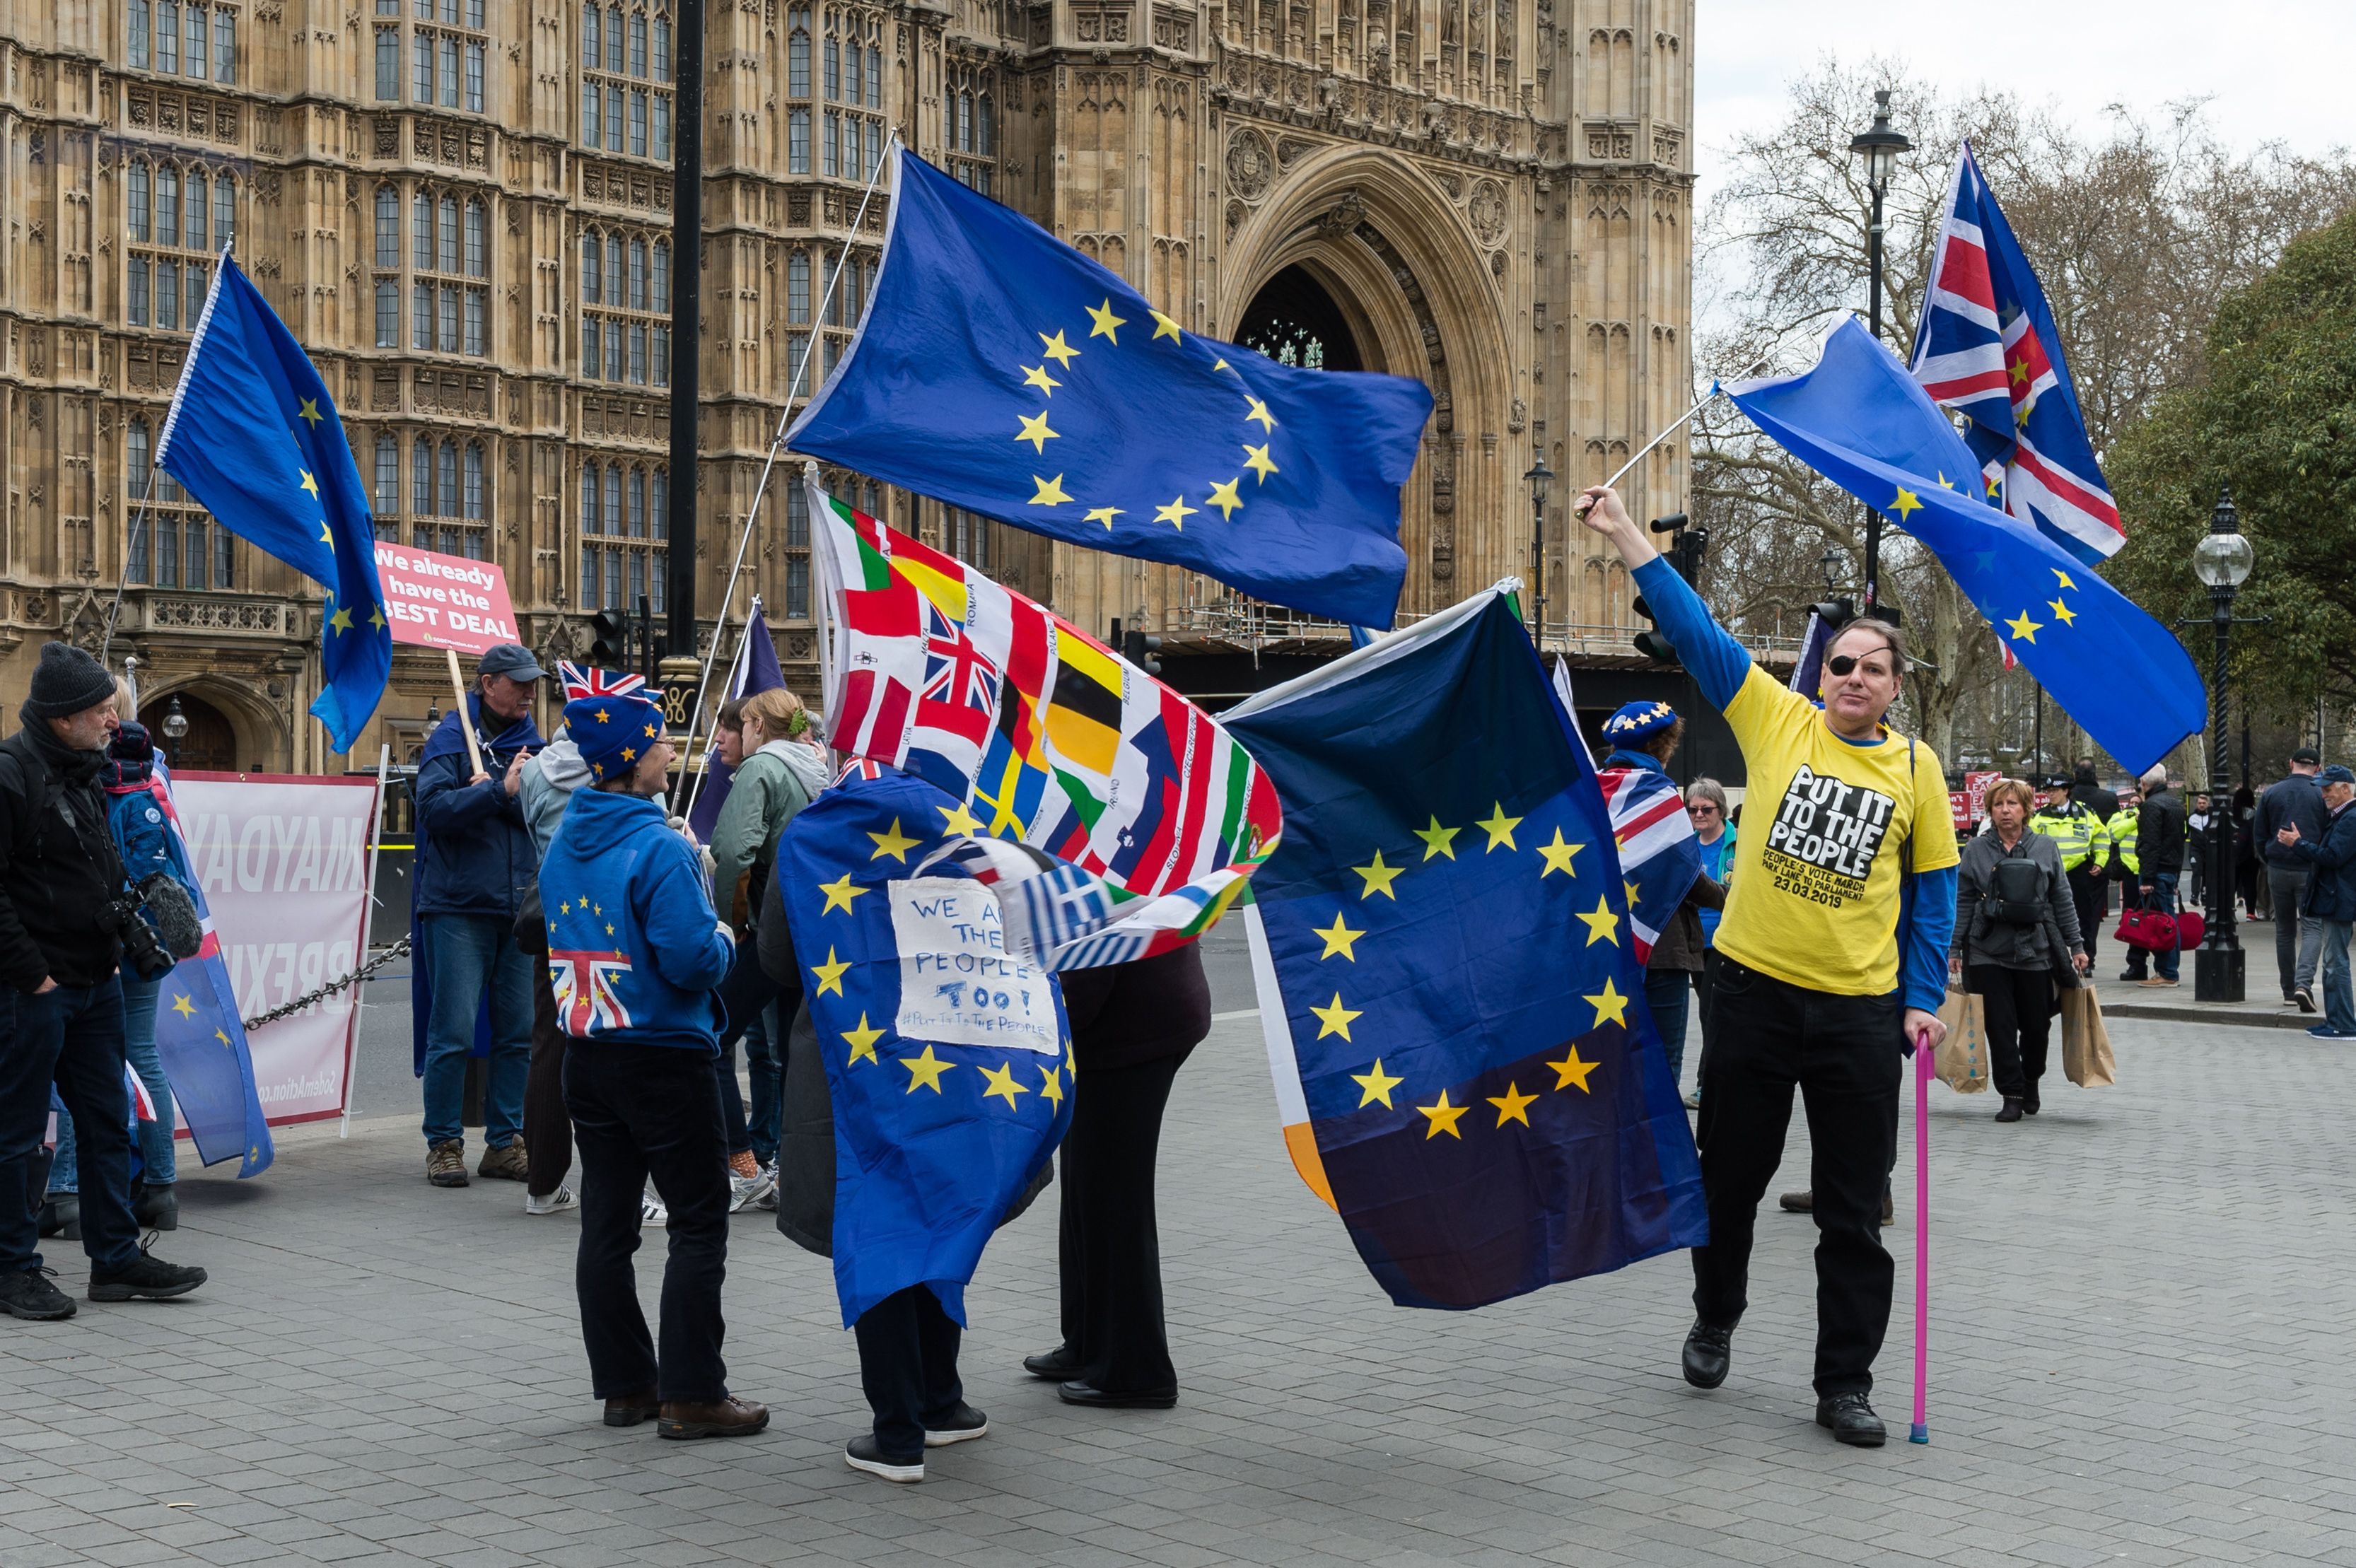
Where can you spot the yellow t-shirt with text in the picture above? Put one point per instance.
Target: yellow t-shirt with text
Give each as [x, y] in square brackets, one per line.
[1814, 898]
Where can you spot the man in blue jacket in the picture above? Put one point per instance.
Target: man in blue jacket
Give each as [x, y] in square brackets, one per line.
[634, 950]
[475, 868]
[2330, 897]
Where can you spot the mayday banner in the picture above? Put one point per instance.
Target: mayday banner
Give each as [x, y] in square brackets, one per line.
[283, 863]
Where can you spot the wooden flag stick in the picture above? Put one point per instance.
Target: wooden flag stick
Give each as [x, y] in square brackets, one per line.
[466, 723]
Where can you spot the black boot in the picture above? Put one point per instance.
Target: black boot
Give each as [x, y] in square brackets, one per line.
[158, 1207]
[1850, 1419]
[61, 1216]
[1709, 1352]
[2011, 1112]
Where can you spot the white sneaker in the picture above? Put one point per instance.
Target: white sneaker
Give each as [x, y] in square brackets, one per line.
[559, 1199]
[743, 1191]
[652, 1212]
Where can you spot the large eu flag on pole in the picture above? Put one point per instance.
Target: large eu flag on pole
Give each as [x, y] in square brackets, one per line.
[947, 1058]
[254, 436]
[1448, 973]
[1860, 420]
[1000, 371]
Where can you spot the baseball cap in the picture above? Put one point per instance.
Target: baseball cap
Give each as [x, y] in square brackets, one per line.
[510, 659]
[2307, 754]
[2335, 774]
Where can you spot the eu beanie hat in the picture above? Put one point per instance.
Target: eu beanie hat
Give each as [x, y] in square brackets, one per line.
[613, 733]
[66, 681]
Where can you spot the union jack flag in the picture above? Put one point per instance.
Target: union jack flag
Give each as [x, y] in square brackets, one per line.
[1659, 856]
[583, 985]
[580, 681]
[1987, 350]
[956, 672]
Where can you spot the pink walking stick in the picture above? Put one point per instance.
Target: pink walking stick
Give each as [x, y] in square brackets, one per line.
[1922, 1070]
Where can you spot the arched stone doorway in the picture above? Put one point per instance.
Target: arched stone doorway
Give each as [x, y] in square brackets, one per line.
[1356, 247]
[1295, 321]
[210, 743]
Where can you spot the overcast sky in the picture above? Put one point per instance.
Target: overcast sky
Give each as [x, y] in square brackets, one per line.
[2273, 68]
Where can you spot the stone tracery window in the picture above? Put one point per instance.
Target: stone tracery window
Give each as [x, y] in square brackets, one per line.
[172, 542]
[969, 125]
[177, 216]
[627, 60]
[624, 526]
[626, 306]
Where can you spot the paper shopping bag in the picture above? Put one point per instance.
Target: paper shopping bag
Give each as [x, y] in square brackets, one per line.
[2086, 1059]
[1961, 1058]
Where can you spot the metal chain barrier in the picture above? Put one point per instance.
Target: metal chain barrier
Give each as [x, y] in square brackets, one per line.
[397, 950]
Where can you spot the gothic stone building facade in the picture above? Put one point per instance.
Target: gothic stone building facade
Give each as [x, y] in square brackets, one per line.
[462, 208]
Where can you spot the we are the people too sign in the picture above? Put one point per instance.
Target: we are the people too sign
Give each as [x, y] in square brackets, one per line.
[445, 601]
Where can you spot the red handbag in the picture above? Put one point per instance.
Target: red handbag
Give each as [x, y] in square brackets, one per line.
[2155, 931]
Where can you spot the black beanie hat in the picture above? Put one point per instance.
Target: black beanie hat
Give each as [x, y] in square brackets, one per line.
[66, 681]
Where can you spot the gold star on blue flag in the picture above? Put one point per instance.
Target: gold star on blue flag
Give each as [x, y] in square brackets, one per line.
[1000, 371]
[254, 436]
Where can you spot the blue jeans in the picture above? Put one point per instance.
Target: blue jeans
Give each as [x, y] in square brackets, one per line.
[2162, 898]
[2338, 1001]
[72, 1037]
[155, 1157]
[472, 953]
[764, 1056]
[1664, 994]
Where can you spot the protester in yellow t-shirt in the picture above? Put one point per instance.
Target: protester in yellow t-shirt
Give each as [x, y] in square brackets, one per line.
[1833, 960]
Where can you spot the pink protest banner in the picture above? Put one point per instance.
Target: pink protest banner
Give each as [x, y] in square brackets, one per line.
[284, 865]
[1976, 786]
[445, 601]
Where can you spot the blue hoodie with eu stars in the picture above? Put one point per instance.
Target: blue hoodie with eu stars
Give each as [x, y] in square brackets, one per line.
[633, 947]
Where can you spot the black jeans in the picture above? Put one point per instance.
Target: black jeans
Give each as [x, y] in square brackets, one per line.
[743, 992]
[547, 1129]
[2019, 1007]
[641, 1110]
[1843, 1055]
[907, 1366]
[1108, 1252]
[71, 1036]
[2091, 894]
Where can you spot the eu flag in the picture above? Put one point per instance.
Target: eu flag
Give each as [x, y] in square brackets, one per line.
[200, 1036]
[1000, 371]
[1448, 973]
[948, 1061]
[1860, 420]
[254, 436]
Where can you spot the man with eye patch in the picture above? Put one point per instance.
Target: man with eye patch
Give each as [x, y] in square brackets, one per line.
[1832, 967]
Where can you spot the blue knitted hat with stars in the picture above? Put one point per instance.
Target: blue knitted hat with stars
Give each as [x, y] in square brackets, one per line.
[1637, 721]
[613, 733]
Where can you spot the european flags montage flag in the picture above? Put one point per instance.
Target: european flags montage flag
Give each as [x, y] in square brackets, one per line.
[947, 1058]
[254, 436]
[1000, 371]
[1862, 421]
[1448, 977]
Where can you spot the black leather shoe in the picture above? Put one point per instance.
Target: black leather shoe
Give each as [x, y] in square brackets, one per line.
[1708, 1353]
[1060, 1365]
[2011, 1112]
[1852, 1420]
[1804, 1202]
[1076, 1393]
[2029, 1105]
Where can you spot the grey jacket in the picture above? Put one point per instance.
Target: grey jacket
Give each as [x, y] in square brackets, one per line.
[547, 785]
[1981, 938]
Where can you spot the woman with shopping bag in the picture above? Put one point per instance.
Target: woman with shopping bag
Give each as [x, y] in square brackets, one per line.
[2015, 937]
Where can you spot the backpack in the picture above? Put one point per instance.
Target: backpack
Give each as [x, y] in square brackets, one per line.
[2016, 891]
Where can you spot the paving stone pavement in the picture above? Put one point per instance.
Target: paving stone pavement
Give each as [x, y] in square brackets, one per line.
[2145, 1299]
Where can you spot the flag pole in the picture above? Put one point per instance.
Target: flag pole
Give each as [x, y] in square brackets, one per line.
[1922, 1069]
[1670, 430]
[130, 547]
[465, 722]
[776, 442]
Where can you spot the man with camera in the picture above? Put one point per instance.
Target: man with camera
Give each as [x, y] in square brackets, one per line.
[64, 913]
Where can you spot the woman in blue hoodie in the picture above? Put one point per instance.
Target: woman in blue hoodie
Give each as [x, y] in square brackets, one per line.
[634, 950]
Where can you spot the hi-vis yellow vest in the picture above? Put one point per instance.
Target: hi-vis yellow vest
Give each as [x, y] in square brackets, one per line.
[2123, 837]
[2076, 832]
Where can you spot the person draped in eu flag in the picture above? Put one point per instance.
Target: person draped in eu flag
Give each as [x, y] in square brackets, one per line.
[1814, 940]
[634, 950]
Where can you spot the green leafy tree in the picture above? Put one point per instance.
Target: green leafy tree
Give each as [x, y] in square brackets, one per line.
[2275, 419]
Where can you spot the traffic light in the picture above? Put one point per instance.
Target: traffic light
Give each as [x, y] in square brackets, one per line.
[1138, 648]
[609, 640]
[1683, 554]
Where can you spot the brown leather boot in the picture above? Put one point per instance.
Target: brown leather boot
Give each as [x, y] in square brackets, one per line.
[726, 1417]
[632, 1408]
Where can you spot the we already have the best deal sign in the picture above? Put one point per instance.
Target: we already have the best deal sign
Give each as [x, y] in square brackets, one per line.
[445, 601]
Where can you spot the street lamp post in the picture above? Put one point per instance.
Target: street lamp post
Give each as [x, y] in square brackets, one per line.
[1540, 478]
[2221, 559]
[1879, 147]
